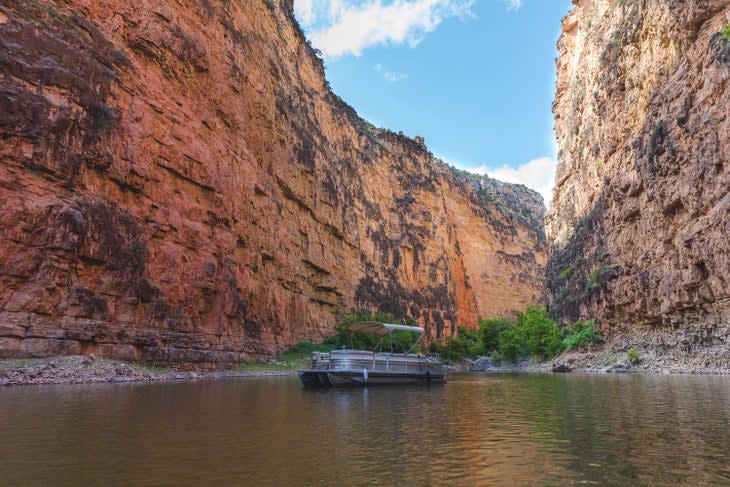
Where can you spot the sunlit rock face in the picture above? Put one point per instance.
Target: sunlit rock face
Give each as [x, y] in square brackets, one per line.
[179, 184]
[640, 223]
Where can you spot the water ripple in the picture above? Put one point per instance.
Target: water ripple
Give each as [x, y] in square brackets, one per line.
[502, 430]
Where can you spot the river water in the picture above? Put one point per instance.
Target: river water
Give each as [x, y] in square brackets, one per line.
[490, 430]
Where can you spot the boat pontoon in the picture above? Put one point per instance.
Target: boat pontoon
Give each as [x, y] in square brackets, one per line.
[340, 368]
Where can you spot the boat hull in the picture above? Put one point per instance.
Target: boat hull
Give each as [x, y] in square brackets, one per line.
[314, 378]
[355, 378]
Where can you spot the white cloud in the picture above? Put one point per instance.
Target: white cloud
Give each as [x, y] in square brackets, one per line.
[538, 174]
[392, 76]
[513, 4]
[304, 11]
[340, 27]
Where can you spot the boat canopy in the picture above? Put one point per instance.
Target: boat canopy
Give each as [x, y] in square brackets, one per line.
[381, 329]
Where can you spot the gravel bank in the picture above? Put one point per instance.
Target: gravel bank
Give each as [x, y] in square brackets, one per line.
[89, 369]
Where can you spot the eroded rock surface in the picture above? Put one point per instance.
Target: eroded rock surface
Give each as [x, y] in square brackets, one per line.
[641, 218]
[178, 184]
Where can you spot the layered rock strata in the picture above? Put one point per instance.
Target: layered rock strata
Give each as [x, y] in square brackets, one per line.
[179, 184]
[640, 223]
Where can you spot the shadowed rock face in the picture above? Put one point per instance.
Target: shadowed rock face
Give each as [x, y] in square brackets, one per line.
[178, 184]
[641, 214]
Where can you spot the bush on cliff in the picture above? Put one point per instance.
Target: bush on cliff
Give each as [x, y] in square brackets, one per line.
[581, 333]
[726, 32]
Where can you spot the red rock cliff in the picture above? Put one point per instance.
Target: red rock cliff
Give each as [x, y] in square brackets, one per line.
[179, 184]
[641, 217]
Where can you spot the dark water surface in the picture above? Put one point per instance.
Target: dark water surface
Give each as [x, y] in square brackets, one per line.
[499, 430]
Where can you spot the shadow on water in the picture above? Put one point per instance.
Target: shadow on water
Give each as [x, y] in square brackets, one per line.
[476, 430]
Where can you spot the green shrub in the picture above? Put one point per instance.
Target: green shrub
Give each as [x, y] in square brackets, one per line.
[435, 347]
[634, 356]
[596, 276]
[531, 333]
[541, 333]
[512, 344]
[456, 349]
[477, 350]
[726, 31]
[465, 344]
[579, 334]
[567, 272]
[489, 331]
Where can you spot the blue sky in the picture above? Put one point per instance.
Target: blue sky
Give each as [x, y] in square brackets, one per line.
[475, 78]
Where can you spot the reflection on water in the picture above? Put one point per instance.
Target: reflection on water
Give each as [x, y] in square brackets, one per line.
[511, 430]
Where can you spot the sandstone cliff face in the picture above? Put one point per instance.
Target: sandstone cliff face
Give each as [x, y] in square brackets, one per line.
[178, 184]
[641, 216]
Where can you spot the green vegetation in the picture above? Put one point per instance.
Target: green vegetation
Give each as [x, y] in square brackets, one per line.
[20, 363]
[726, 32]
[634, 356]
[490, 331]
[530, 333]
[511, 345]
[594, 278]
[541, 334]
[466, 343]
[567, 272]
[579, 334]
[295, 357]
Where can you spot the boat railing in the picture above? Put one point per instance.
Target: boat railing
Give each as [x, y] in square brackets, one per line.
[380, 362]
[320, 360]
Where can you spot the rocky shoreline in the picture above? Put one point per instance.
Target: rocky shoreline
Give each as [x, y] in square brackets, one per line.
[616, 362]
[89, 369]
[599, 360]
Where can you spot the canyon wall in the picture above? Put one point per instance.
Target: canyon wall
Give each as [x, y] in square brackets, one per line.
[179, 184]
[640, 223]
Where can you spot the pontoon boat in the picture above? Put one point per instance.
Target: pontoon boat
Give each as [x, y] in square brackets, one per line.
[359, 367]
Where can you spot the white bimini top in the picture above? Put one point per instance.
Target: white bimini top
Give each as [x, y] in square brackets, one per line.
[381, 329]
